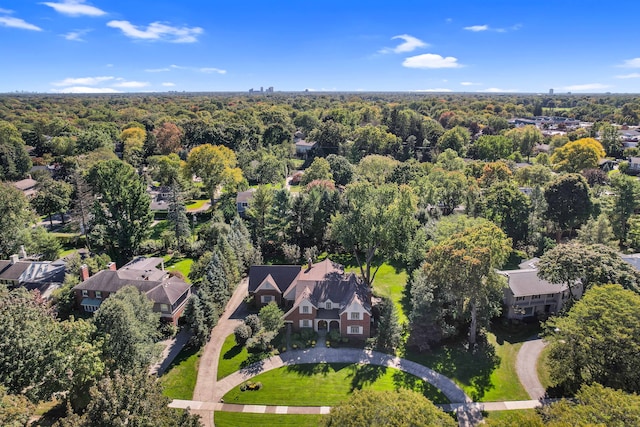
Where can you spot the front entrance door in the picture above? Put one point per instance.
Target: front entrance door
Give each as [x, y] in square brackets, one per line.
[322, 325]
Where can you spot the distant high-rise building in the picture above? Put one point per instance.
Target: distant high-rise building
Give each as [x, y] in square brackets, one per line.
[550, 91]
[270, 89]
[261, 89]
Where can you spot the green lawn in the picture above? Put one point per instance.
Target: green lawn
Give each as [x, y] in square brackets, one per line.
[239, 419]
[180, 379]
[183, 266]
[389, 282]
[67, 252]
[514, 418]
[489, 373]
[234, 357]
[193, 205]
[327, 384]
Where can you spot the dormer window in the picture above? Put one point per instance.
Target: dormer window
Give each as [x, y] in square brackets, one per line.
[98, 295]
[85, 293]
[327, 305]
[305, 309]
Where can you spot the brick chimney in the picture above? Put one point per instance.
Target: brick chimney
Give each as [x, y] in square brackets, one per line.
[112, 266]
[84, 272]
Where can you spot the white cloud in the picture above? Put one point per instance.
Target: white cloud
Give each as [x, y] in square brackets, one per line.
[86, 89]
[629, 76]
[6, 11]
[209, 70]
[157, 70]
[588, 86]
[477, 28]
[158, 31]
[498, 90]
[75, 8]
[83, 81]
[431, 60]
[76, 36]
[168, 84]
[631, 63]
[10, 21]
[131, 84]
[469, 84]
[433, 90]
[409, 44]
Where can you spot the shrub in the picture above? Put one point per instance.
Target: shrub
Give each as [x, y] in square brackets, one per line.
[253, 321]
[334, 336]
[242, 334]
[308, 334]
[261, 341]
[168, 329]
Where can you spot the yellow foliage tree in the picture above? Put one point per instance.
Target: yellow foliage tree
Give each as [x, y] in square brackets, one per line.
[216, 165]
[133, 139]
[576, 156]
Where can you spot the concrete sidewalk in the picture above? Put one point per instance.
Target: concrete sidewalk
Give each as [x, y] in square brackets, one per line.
[322, 410]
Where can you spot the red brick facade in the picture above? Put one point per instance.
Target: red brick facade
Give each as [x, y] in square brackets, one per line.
[257, 297]
[364, 323]
[295, 316]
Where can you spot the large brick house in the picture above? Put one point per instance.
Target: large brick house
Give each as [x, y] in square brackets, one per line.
[319, 296]
[168, 293]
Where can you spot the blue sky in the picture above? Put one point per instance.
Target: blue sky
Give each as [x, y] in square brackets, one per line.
[348, 45]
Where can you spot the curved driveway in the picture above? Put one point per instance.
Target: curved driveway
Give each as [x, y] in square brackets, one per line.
[527, 367]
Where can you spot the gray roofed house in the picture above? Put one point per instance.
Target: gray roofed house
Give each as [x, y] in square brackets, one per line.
[27, 186]
[319, 296]
[633, 259]
[528, 297]
[44, 276]
[168, 293]
[242, 201]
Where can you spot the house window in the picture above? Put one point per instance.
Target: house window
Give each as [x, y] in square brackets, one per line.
[305, 309]
[519, 298]
[355, 330]
[98, 295]
[266, 299]
[327, 306]
[85, 293]
[536, 296]
[551, 295]
[164, 308]
[305, 323]
[355, 315]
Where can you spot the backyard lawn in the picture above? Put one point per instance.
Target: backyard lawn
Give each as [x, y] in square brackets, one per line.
[182, 265]
[543, 369]
[389, 282]
[239, 419]
[180, 379]
[327, 384]
[193, 205]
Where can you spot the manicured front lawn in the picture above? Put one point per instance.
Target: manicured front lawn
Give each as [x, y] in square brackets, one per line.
[327, 384]
[239, 419]
[180, 379]
[234, 357]
[489, 374]
[514, 418]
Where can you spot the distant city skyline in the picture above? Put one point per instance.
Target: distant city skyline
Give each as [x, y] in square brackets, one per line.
[100, 46]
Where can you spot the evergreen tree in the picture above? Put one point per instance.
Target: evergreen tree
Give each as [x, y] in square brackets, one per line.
[177, 215]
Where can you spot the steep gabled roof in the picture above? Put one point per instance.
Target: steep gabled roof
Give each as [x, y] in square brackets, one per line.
[169, 291]
[268, 284]
[283, 275]
[9, 271]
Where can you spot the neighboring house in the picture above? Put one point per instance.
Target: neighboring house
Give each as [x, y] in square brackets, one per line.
[168, 293]
[320, 296]
[303, 147]
[44, 276]
[527, 296]
[633, 259]
[27, 186]
[159, 196]
[607, 165]
[242, 201]
[634, 165]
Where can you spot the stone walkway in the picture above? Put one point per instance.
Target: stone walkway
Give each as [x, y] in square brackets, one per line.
[527, 367]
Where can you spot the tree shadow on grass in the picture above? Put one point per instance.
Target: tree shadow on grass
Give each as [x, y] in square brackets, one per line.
[407, 381]
[232, 352]
[311, 369]
[469, 368]
[254, 363]
[362, 375]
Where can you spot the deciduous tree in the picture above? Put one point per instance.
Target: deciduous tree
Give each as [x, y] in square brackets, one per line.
[216, 165]
[577, 156]
[122, 215]
[568, 202]
[15, 215]
[14, 159]
[596, 341]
